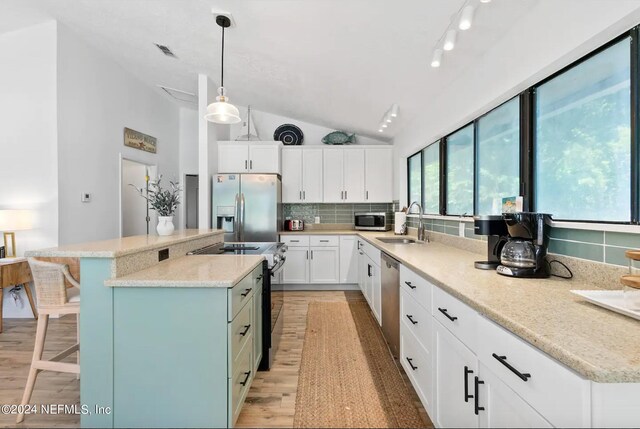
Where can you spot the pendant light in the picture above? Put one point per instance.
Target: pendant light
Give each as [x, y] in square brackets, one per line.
[222, 112]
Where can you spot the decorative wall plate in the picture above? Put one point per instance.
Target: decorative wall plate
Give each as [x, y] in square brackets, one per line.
[289, 134]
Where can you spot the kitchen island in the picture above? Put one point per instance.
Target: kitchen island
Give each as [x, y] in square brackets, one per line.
[167, 340]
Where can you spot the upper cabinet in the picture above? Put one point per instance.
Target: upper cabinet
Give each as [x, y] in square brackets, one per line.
[378, 177]
[344, 175]
[302, 174]
[249, 157]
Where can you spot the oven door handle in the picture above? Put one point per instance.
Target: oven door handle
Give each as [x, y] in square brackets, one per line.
[277, 267]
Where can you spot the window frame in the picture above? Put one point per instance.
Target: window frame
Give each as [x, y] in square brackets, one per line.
[527, 108]
[409, 176]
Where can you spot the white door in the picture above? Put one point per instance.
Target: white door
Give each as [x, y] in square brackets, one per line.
[233, 158]
[264, 158]
[348, 259]
[378, 175]
[296, 268]
[312, 175]
[376, 292]
[333, 164]
[291, 175]
[324, 265]
[503, 408]
[133, 207]
[456, 367]
[354, 175]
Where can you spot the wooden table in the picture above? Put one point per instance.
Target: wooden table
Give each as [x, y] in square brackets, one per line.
[13, 272]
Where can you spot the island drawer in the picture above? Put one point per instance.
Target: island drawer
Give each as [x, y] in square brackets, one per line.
[416, 287]
[240, 381]
[456, 316]
[240, 330]
[417, 319]
[242, 292]
[295, 240]
[557, 393]
[324, 240]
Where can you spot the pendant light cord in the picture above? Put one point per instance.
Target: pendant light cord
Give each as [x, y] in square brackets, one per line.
[222, 68]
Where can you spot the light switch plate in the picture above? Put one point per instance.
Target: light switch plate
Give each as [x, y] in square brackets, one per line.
[86, 197]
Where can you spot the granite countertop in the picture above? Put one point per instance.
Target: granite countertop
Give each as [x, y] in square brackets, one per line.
[119, 247]
[602, 345]
[192, 271]
[321, 232]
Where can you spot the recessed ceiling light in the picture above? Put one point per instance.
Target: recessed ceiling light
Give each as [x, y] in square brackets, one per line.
[466, 18]
[437, 58]
[394, 110]
[450, 40]
[384, 125]
[380, 130]
[485, 1]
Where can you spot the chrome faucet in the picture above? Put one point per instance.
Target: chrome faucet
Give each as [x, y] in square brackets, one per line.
[421, 229]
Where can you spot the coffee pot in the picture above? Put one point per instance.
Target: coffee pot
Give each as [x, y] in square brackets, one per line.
[523, 255]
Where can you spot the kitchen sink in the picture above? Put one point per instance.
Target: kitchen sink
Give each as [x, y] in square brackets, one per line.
[393, 240]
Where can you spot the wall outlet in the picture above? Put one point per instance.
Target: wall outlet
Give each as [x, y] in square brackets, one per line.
[461, 229]
[316, 219]
[86, 197]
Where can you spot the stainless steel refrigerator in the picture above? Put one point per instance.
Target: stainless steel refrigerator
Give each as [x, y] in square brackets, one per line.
[248, 207]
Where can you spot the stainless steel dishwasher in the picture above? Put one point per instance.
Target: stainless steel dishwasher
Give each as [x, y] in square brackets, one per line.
[391, 302]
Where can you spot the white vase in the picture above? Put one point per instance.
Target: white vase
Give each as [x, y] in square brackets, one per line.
[165, 225]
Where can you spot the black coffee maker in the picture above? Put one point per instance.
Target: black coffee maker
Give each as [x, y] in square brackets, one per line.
[494, 227]
[523, 255]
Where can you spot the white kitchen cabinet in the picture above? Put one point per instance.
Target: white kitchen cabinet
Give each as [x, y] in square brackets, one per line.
[503, 408]
[362, 268]
[379, 174]
[456, 366]
[249, 157]
[417, 362]
[348, 259]
[296, 267]
[301, 175]
[343, 175]
[376, 291]
[324, 265]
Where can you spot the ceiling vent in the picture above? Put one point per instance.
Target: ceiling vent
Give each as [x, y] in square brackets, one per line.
[180, 95]
[165, 50]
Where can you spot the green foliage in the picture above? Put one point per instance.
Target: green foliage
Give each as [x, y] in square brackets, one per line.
[163, 201]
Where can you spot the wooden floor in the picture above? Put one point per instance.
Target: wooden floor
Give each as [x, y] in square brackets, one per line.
[270, 402]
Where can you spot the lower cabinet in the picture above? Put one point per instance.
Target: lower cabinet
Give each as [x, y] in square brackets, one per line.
[296, 268]
[319, 260]
[348, 259]
[370, 280]
[324, 265]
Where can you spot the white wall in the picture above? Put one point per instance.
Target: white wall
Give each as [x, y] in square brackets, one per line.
[188, 151]
[266, 123]
[207, 149]
[97, 100]
[549, 37]
[28, 152]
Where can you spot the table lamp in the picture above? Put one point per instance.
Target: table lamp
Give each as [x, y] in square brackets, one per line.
[11, 221]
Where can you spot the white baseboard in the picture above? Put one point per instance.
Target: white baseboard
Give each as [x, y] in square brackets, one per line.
[314, 287]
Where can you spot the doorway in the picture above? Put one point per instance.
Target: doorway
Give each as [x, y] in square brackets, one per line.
[133, 208]
[191, 201]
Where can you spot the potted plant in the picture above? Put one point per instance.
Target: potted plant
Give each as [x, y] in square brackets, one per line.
[163, 201]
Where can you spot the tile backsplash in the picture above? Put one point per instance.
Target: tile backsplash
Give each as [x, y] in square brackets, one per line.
[333, 213]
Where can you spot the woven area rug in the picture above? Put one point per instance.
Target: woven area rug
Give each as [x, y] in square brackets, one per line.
[347, 375]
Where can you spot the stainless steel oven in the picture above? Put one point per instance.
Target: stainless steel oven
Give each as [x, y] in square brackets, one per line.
[368, 221]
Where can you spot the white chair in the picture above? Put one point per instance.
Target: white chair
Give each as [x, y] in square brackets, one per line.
[53, 297]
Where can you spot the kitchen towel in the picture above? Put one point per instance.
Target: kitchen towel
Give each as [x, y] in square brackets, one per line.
[400, 219]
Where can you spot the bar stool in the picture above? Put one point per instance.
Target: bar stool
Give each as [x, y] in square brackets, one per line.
[53, 298]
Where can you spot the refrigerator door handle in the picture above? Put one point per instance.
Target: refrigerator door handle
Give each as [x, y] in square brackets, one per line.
[236, 221]
[241, 217]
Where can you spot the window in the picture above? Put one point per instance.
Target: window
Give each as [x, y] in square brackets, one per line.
[498, 157]
[415, 177]
[459, 172]
[583, 139]
[431, 179]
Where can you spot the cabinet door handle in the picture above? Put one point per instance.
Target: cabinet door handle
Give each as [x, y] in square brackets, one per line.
[300, 195]
[503, 360]
[246, 292]
[312, 254]
[369, 270]
[413, 367]
[410, 285]
[410, 317]
[467, 371]
[477, 406]
[307, 254]
[345, 195]
[367, 195]
[245, 164]
[304, 195]
[251, 165]
[342, 195]
[450, 317]
[246, 329]
[246, 378]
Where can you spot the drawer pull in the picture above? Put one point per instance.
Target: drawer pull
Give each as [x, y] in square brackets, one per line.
[258, 278]
[410, 285]
[324, 241]
[246, 378]
[476, 405]
[246, 329]
[503, 360]
[467, 371]
[413, 367]
[294, 241]
[247, 291]
[410, 317]
[450, 317]
[369, 270]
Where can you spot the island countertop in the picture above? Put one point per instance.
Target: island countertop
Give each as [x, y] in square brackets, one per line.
[119, 247]
[192, 271]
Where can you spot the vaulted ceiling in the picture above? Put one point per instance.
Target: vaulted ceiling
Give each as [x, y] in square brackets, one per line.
[337, 63]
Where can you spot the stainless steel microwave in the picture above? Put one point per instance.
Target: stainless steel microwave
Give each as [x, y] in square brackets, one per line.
[371, 221]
